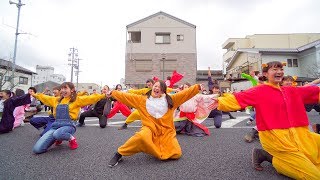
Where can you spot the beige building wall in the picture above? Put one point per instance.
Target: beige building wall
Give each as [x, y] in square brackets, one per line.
[186, 65]
[89, 87]
[163, 24]
[144, 60]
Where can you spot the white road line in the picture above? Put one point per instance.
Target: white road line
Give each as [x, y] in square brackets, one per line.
[230, 123]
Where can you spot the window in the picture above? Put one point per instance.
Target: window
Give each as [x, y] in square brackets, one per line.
[7, 78]
[23, 80]
[180, 37]
[162, 38]
[289, 62]
[134, 37]
[169, 65]
[143, 65]
[89, 87]
[292, 62]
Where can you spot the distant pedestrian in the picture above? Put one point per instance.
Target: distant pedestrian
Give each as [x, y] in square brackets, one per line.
[118, 106]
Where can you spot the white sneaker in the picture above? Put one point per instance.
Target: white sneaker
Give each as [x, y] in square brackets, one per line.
[249, 123]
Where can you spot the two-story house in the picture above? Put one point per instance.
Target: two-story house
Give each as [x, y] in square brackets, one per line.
[22, 76]
[301, 56]
[156, 46]
[246, 54]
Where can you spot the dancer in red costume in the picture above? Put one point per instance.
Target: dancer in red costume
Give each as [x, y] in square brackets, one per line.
[118, 106]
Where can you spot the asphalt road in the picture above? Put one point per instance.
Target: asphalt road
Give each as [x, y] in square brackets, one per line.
[222, 155]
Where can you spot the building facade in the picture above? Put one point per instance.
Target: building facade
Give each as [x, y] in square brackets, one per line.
[303, 62]
[45, 74]
[242, 52]
[89, 87]
[22, 76]
[156, 46]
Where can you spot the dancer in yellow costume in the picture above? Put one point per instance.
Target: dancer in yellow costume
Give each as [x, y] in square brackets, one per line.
[144, 91]
[157, 136]
[282, 122]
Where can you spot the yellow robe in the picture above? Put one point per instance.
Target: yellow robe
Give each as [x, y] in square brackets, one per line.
[295, 151]
[157, 136]
[74, 107]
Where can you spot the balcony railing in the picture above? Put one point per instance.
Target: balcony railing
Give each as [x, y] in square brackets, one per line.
[228, 55]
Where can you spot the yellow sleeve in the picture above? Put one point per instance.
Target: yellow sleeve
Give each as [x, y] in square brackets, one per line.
[142, 91]
[87, 100]
[184, 95]
[228, 103]
[132, 100]
[47, 100]
[82, 93]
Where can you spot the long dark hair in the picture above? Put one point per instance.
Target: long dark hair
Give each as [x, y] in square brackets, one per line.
[163, 88]
[19, 92]
[269, 65]
[117, 86]
[73, 95]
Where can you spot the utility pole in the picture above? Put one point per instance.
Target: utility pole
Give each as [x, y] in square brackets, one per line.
[78, 70]
[73, 56]
[19, 4]
[163, 60]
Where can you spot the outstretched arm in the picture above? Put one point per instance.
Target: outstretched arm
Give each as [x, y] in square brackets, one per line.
[250, 78]
[45, 99]
[315, 82]
[21, 100]
[88, 100]
[142, 91]
[237, 101]
[184, 95]
[131, 100]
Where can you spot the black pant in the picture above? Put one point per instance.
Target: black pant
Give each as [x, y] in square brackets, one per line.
[309, 107]
[93, 113]
[217, 117]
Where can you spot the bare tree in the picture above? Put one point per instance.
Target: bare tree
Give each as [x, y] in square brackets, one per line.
[3, 81]
[313, 70]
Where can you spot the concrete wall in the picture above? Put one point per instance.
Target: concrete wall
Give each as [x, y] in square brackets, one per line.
[186, 64]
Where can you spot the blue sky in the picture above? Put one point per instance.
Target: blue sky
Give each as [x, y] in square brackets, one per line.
[98, 29]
